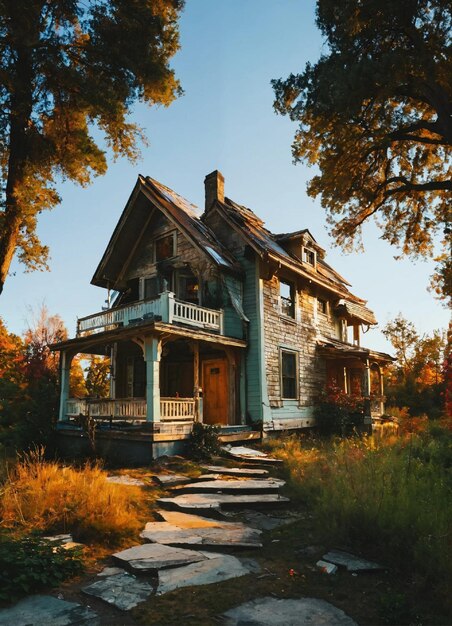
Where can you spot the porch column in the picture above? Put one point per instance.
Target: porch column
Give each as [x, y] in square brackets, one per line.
[65, 370]
[152, 353]
[198, 414]
[113, 355]
[366, 393]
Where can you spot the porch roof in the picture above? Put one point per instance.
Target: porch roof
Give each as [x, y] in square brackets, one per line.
[329, 346]
[97, 342]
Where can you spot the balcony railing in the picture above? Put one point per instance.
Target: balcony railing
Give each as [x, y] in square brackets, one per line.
[165, 308]
[171, 409]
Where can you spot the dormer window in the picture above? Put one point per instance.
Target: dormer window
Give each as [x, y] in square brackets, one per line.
[309, 256]
[287, 298]
[165, 247]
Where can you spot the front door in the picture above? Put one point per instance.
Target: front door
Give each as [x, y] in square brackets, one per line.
[216, 391]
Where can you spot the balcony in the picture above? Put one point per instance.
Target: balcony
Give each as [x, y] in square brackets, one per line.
[166, 308]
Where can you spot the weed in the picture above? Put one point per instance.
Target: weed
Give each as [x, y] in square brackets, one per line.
[40, 495]
[30, 564]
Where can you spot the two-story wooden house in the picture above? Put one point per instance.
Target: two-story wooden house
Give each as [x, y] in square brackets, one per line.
[214, 319]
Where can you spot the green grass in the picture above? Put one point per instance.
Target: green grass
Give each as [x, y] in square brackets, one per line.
[392, 499]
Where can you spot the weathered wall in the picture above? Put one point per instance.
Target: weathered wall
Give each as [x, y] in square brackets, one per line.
[299, 335]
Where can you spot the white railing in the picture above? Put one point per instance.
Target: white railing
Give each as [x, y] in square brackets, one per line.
[195, 315]
[131, 409]
[122, 316]
[165, 306]
[177, 409]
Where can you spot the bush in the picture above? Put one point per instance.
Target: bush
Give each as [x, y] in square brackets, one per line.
[339, 413]
[40, 495]
[203, 442]
[30, 564]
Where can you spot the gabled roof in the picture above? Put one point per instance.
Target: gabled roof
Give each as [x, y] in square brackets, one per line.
[265, 244]
[148, 196]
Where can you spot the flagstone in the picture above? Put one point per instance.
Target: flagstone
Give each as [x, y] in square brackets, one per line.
[235, 471]
[247, 485]
[150, 557]
[125, 479]
[201, 531]
[170, 479]
[290, 612]
[211, 503]
[39, 609]
[124, 591]
[249, 454]
[351, 562]
[216, 568]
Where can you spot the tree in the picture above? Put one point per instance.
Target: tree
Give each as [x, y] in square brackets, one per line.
[375, 115]
[98, 377]
[417, 379]
[66, 67]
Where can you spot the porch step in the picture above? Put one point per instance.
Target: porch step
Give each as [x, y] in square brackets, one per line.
[228, 434]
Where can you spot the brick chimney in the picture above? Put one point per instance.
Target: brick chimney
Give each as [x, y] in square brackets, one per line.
[214, 187]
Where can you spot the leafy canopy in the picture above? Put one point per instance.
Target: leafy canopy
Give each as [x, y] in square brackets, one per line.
[375, 115]
[67, 68]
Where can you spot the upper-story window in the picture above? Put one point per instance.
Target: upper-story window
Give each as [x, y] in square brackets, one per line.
[322, 306]
[287, 298]
[309, 256]
[165, 247]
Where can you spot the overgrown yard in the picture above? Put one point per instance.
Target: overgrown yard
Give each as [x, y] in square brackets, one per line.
[388, 501]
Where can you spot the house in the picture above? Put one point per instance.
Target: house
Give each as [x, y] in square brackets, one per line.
[214, 318]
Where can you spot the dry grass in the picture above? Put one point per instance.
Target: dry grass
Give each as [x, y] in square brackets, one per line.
[39, 495]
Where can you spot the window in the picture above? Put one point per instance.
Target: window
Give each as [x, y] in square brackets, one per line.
[187, 287]
[322, 306]
[289, 385]
[165, 247]
[309, 256]
[151, 287]
[287, 298]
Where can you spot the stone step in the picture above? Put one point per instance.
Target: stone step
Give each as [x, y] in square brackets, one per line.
[251, 456]
[151, 557]
[245, 486]
[181, 529]
[212, 504]
[236, 471]
[215, 569]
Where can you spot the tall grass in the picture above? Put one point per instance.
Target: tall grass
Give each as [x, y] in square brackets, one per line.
[39, 495]
[392, 498]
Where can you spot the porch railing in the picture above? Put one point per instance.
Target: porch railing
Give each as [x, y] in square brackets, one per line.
[131, 409]
[165, 308]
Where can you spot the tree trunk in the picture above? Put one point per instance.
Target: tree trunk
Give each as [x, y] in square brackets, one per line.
[18, 148]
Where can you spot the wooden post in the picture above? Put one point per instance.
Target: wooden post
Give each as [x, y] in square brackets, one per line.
[356, 339]
[113, 356]
[152, 354]
[366, 394]
[65, 370]
[196, 379]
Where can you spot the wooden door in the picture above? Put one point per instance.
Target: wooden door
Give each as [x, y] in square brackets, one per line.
[215, 391]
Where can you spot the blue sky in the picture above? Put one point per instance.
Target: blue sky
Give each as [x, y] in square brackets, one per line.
[229, 53]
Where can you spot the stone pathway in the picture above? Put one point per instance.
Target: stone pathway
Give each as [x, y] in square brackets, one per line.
[167, 560]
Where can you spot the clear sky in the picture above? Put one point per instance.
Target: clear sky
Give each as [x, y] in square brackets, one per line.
[230, 50]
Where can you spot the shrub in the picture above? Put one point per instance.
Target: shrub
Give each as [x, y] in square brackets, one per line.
[339, 413]
[41, 495]
[30, 564]
[203, 442]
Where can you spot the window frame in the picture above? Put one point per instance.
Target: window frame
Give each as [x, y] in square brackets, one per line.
[293, 299]
[306, 253]
[322, 306]
[295, 355]
[172, 234]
